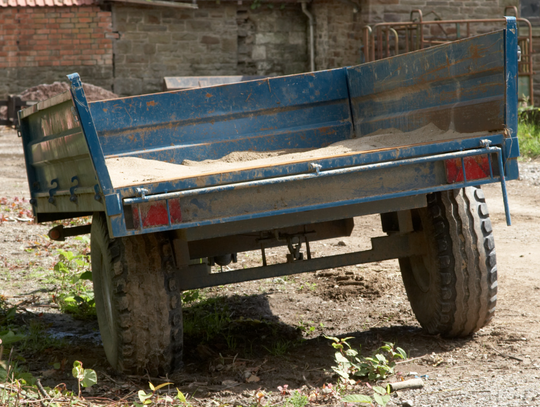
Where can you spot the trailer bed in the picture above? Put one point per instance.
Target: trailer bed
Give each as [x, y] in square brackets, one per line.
[133, 171]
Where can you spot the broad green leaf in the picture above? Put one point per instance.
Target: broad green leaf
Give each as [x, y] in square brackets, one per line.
[380, 390]
[380, 358]
[87, 275]
[381, 400]
[340, 358]
[11, 337]
[340, 372]
[90, 378]
[357, 398]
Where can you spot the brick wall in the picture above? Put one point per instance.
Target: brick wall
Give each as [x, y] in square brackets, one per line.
[216, 39]
[43, 44]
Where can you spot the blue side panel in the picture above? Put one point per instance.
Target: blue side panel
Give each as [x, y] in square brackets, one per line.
[511, 145]
[299, 111]
[458, 86]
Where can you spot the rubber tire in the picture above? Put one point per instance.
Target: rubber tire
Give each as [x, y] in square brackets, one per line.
[138, 306]
[453, 289]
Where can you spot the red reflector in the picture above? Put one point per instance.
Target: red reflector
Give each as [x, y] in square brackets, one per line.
[476, 167]
[155, 214]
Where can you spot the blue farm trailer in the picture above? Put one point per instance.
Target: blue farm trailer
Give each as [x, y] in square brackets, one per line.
[411, 138]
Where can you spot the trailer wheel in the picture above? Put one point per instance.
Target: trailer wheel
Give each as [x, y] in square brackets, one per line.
[139, 309]
[453, 289]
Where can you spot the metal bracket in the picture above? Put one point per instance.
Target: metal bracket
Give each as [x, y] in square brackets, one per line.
[141, 192]
[52, 191]
[73, 197]
[316, 167]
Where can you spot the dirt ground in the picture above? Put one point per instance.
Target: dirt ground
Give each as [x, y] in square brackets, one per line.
[276, 338]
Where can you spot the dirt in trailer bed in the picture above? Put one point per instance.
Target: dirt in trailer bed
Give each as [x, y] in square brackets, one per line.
[274, 329]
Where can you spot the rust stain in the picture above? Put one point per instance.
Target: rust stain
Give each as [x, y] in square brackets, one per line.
[327, 130]
[209, 95]
[151, 103]
[475, 54]
[105, 110]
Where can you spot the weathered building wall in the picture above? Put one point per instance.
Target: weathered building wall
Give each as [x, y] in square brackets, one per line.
[338, 33]
[43, 44]
[216, 39]
[131, 48]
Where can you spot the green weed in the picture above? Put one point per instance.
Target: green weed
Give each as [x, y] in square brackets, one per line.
[529, 131]
[76, 295]
[376, 367]
[297, 400]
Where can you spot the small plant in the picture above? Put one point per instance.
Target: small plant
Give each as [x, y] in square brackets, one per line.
[154, 397]
[191, 296]
[307, 327]
[75, 295]
[376, 367]
[85, 377]
[297, 400]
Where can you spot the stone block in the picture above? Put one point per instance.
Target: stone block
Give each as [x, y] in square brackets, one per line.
[229, 45]
[159, 38]
[210, 40]
[258, 53]
[122, 47]
[199, 26]
[176, 26]
[151, 28]
[152, 17]
[183, 37]
[297, 38]
[149, 49]
[166, 48]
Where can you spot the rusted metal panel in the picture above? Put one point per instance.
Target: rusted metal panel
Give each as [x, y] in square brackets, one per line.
[297, 111]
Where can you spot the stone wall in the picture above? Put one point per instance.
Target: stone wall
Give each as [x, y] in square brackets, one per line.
[43, 44]
[216, 39]
[338, 33]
